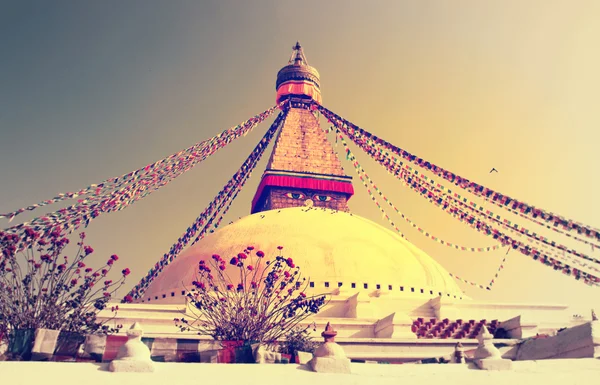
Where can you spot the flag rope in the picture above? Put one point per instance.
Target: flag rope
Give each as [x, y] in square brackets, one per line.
[206, 218]
[492, 196]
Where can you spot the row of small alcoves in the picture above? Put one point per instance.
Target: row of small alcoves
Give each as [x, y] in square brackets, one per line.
[390, 288]
[340, 284]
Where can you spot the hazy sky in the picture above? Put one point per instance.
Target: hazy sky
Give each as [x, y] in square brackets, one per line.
[91, 90]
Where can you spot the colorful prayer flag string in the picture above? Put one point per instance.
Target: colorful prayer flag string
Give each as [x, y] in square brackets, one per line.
[492, 281]
[364, 177]
[480, 225]
[501, 200]
[513, 227]
[553, 261]
[118, 193]
[451, 206]
[377, 153]
[200, 150]
[204, 221]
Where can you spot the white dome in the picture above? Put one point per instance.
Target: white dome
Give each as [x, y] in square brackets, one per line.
[330, 247]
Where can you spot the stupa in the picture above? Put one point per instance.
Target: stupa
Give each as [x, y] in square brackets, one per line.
[389, 300]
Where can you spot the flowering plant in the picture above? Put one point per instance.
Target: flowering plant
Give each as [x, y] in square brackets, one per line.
[42, 288]
[299, 339]
[265, 302]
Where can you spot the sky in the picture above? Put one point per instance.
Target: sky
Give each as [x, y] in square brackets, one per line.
[92, 90]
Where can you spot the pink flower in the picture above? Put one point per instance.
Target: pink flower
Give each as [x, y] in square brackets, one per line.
[260, 254]
[128, 298]
[80, 264]
[280, 247]
[287, 274]
[234, 261]
[250, 248]
[242, 256]
[104, 271]
[126, 272]
[229, 286]
[222, 267]
[114, 257]
[88, 270]
[108, 282]
[110, 262]
[106, 294]
[253, 285]
[250, 267]
[73, 282]
[88, 250]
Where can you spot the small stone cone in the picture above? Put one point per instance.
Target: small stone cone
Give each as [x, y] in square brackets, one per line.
[486, 348]
[329, 357]
[487, 356]
[134, 355]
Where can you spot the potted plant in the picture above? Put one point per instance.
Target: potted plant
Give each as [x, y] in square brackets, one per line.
[297, 340]
[42, 289]
[248, 299]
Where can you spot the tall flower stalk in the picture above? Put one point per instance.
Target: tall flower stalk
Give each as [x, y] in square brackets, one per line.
[248, 298]
[40, 287]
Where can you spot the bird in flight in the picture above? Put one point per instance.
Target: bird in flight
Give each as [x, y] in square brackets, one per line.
[492, 170]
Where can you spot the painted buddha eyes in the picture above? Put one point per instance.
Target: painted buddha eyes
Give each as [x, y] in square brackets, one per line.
[295, 195]
[317, 197]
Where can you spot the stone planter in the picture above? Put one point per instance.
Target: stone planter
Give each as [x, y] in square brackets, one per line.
[20, 344]
[264, 356]
[236, 352]
[286, 358]
[227, 353]
[44, 344]
[94, 346]
[67, 345]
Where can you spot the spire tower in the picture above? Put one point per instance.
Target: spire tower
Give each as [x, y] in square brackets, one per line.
[303, 169]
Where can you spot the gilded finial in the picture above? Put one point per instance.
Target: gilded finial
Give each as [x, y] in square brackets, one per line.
[297, 57]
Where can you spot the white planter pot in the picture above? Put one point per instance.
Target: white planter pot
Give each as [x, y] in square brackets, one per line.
[44, 344]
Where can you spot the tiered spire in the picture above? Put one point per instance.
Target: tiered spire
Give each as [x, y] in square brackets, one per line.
[303, 168]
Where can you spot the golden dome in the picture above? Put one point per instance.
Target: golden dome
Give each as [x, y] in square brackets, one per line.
[331, 247]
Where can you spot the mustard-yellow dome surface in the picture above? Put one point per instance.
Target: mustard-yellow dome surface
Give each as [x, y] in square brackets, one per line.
[331, 248]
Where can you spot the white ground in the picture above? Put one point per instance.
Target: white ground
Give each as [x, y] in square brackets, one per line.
[563, 372]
